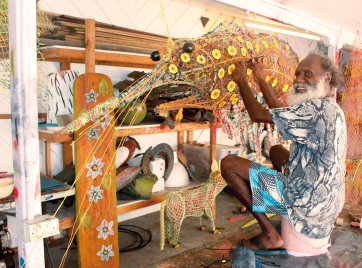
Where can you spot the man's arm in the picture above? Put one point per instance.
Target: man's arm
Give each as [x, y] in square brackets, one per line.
[256, 111]
[259, 78]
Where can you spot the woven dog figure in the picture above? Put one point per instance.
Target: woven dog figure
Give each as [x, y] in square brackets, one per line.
[193, 202]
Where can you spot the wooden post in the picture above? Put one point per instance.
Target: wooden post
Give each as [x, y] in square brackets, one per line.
[90, 46]
[23, 67]
[190, 137]
[180, 138]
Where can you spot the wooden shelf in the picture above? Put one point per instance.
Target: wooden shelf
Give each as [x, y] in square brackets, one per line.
[57, 136]
[47, 195]
[77, 55]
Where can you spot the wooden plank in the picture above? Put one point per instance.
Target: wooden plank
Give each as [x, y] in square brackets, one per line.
[52, 136]
[161, 128]
[142, 204]
[190, 136]
[90, 46]
[47, 195]
[180, 139]
[67, 154]
[8, 116]
[102, 58]
[112, 47]
[96, 172]
[48, 162]
[66, 223]
[64, 65]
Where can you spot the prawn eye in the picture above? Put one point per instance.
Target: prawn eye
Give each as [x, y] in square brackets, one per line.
[155, 56]
[188, 47]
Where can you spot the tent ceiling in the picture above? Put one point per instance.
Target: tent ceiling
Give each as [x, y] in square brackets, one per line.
[338, 20]
[344, 15]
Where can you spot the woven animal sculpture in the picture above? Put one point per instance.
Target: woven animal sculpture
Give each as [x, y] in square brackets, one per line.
[194, 202]
[203, 67]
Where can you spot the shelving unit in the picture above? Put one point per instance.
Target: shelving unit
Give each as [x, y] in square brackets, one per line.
[183, 129]
[50, 136]
[91, 57]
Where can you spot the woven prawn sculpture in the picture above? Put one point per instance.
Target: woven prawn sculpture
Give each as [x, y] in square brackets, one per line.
[194, 202]
[203, 68]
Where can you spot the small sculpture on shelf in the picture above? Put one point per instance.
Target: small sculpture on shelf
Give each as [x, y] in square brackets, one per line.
[194, 202]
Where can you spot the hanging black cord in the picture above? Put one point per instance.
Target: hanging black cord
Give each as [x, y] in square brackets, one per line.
[139, 241]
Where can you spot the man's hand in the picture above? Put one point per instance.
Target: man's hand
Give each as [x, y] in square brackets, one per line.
[258, 70]
[239, 74]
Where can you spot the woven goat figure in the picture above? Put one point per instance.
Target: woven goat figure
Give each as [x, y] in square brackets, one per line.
[193, 202]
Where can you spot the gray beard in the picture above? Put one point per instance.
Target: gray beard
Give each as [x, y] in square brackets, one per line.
[317, 91]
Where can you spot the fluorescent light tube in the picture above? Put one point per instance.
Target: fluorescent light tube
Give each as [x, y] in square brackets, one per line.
[281, 30]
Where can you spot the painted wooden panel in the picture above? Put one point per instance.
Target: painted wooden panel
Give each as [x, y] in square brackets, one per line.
[95, 168]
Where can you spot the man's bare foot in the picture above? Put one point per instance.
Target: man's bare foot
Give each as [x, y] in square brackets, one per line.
[262, 242]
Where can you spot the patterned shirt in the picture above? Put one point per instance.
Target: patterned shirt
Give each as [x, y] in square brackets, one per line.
[314, 190]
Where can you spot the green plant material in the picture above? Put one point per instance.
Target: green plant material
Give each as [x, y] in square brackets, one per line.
[141, 187]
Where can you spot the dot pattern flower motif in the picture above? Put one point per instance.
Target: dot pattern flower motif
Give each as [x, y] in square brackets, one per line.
[249, 45]
[173, 68]
[231, 86]
[91, 96]
[95, 168]
[185, 57]
[201, 59]
[221, 73]
[232, 50]
[215, 94]
[105, 252]
[105, 229]
[216, 54]
[95, 194]
[93, 134]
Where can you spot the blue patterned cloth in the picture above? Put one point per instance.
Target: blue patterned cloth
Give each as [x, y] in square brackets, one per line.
[267, 189]
[314, 191]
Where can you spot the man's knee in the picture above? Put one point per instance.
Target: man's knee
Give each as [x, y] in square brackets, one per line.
[226, 164]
